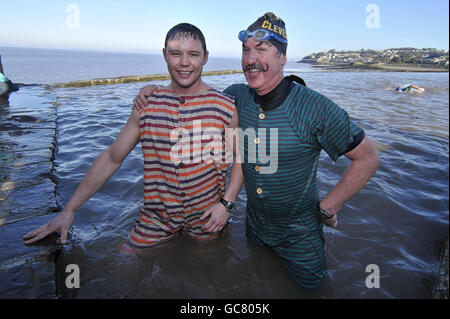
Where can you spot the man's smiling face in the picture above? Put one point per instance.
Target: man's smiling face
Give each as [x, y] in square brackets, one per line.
[185, 60]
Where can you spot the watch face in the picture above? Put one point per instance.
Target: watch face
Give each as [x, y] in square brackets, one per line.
[228, 205]
[325, 214]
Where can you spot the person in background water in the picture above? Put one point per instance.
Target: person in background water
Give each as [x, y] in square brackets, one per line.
[181, 193]
[409, 88]
[6, 86]
[284, 210]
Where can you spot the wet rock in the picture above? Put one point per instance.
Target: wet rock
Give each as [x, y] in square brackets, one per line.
[27, 271]
[27, 194]
[440, 290]
[132, 79]
[25, 202]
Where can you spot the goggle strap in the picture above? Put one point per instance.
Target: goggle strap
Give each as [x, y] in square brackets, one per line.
[245, 34]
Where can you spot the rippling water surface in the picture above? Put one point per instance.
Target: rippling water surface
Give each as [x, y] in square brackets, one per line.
[398, 222]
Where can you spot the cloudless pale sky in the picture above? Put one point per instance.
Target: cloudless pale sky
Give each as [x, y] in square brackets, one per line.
[141, 25]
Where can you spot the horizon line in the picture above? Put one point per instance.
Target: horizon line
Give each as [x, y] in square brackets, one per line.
[137, 51]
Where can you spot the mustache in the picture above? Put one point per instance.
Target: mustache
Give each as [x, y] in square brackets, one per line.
[256, 66]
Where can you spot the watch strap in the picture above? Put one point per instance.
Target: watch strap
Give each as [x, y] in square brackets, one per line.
[323, 213]
[228, 205]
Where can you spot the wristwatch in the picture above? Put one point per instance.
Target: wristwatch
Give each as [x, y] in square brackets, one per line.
[323, 213]
[228, 205]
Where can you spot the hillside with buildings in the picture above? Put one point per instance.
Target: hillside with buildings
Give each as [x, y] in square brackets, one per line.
[397, 57]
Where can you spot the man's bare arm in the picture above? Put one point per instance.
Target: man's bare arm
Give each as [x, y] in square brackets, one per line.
[365, 162]
[99, 172]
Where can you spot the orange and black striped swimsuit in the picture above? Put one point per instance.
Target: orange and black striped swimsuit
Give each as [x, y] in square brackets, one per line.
[183, 142]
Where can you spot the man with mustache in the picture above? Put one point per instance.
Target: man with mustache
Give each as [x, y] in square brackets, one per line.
[284, 210]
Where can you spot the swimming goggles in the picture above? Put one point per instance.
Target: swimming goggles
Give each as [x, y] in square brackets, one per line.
[260, 35]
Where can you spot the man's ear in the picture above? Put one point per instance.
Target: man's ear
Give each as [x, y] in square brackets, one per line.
[164, 54]
[205, 60]
[284, 59]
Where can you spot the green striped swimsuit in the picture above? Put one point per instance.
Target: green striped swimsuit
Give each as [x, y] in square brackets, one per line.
[281, 206]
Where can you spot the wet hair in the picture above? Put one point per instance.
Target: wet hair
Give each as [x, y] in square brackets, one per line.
[186, 30]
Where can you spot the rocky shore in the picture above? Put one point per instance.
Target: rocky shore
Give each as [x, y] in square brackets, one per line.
[395, 60]
[441, 286]
[27, 193]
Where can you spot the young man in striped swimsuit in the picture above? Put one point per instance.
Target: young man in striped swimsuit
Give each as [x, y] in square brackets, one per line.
[284, 211]
[182, 133]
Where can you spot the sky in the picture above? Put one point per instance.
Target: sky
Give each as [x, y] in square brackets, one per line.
[141, 25]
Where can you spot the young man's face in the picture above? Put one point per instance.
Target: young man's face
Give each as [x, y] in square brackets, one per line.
[185, 59]
[262, 65]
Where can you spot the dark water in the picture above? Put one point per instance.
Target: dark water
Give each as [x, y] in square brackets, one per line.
[398, 222]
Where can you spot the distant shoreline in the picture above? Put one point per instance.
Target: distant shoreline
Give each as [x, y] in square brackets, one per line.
[389, 60]
[358, 66]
